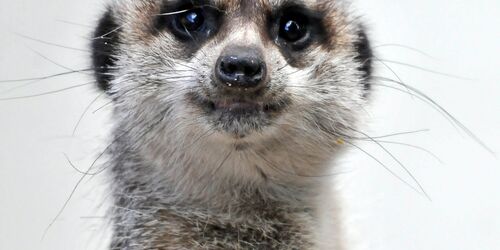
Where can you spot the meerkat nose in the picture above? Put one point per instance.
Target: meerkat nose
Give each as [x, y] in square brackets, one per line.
[241, 67]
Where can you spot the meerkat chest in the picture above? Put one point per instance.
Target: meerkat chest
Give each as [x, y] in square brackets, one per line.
[170, 229]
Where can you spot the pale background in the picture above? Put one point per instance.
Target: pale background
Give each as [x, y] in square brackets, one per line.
[459, 37]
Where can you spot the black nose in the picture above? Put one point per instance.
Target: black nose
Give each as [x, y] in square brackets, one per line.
[241, 68]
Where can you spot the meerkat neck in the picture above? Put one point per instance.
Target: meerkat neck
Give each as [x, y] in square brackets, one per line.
[232, 216]
[196, 182]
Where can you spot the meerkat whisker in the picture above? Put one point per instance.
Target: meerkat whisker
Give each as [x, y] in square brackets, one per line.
[427, 70]
[404, 47]
[46, 93]
[85, 111]
[45, 77]
[430, 153]
[418, 191]
[74, 23]
[50, 43]
[447, 114]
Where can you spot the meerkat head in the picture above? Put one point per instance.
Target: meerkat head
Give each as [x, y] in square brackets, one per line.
[263, 76]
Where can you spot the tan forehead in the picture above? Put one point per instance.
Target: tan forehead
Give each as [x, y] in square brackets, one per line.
[272, 3]
[264, 3]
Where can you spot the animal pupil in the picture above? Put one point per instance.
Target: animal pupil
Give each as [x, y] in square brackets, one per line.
[192, 20]
[292, 30]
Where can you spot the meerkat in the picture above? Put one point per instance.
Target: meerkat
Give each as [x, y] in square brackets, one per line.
[229, 115]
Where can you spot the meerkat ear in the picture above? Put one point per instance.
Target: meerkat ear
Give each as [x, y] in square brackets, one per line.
[104, 47]
[364, 56]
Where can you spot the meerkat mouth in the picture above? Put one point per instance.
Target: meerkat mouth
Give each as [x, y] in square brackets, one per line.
[240, 116]
[244, 106]
[240, 106]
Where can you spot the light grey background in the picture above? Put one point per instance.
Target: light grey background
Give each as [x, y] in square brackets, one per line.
[458, 37]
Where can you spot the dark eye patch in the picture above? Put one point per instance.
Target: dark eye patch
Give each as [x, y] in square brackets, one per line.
[295, 27]
[189, 21]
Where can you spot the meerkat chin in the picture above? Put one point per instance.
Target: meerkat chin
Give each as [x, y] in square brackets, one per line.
[227, 114]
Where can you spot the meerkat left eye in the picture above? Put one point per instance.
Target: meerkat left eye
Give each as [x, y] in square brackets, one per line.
[189, 23]
[293, 29]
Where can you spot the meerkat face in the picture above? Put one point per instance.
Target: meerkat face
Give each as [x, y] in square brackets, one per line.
[245, 70]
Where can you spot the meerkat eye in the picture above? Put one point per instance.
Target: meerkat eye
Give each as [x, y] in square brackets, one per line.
[189, 23]
[293, 29]
[191, 20]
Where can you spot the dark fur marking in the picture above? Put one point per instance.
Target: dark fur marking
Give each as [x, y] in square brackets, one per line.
[190, 41]
[365, 55]
[317, 33]
[104, 46]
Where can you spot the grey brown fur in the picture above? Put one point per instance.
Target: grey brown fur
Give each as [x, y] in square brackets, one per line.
[184, 177]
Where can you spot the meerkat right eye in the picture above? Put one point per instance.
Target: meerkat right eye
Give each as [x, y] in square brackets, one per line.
[296, 27]
[190, 23]
[292, 29]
